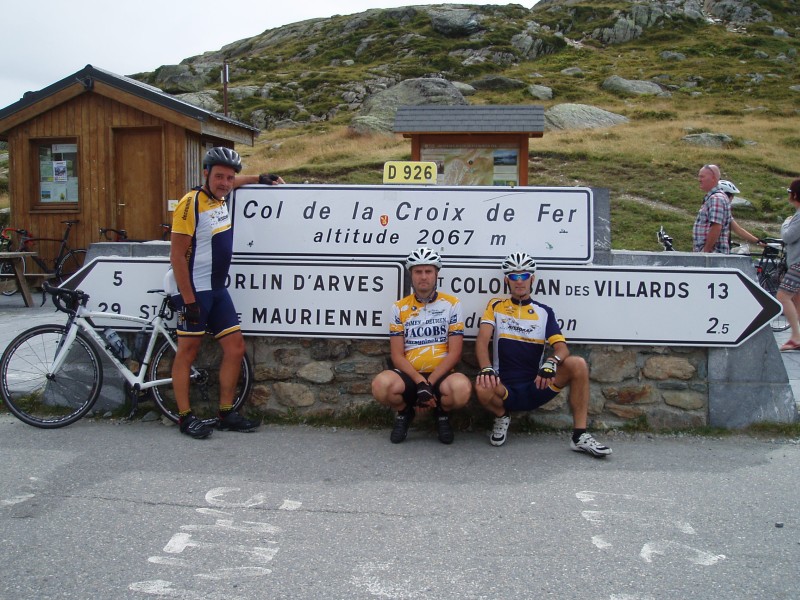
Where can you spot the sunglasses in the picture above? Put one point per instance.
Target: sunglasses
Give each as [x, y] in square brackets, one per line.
[519, 276]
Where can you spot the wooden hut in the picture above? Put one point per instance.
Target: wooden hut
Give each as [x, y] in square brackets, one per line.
[108, 151]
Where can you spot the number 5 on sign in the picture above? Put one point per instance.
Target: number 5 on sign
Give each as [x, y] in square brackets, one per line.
[407, 171]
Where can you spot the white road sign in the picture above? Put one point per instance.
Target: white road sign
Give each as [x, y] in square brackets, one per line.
[595, 304]
[474, 224]
[630, 305]
[278, 298]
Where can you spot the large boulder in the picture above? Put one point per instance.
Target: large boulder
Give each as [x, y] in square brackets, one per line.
[711, 140]
[208, 100]
[632, 87]
[180, 78]
[498, 83]
[540, 92]
[455, 21]
[580, 116]
[378, 110]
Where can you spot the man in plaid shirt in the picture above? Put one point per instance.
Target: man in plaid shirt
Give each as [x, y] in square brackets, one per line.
[711, 231]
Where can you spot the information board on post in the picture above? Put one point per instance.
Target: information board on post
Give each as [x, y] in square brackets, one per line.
[475, 224]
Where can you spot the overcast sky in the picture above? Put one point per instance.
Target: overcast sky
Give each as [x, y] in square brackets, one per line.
[43, 41]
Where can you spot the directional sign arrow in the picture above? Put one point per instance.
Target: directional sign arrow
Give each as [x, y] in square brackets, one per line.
[594, 304]
[631, 305]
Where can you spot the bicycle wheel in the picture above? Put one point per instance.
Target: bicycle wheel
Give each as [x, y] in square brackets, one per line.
[204, 385]
[779, 323]
[58, 399]
[7, 277]
[69, 265]
[769, 275]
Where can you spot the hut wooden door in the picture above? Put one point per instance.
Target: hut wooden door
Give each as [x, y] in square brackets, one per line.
[139, 182]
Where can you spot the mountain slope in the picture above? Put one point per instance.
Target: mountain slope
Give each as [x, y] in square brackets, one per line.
[726, 66]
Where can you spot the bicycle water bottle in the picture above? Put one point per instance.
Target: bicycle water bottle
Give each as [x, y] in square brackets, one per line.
[116, 344]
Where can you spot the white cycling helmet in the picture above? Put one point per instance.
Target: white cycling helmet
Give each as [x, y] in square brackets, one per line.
[518, 261]
[728, 187]
[423, 256]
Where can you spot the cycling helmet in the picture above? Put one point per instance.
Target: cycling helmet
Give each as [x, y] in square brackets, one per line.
[518, 261]
[728, 187]
[423, 256]
[222, 156]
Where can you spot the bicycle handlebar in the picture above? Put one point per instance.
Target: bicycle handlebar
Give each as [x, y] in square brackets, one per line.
[72, 298]
[769, 240]
[120, 234]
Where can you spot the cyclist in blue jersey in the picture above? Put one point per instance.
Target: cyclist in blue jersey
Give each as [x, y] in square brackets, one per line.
[520, 377]
[200, 254]
[426, 336]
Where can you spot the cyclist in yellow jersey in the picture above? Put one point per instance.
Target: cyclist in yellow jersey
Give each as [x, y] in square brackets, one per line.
[520, 377]
[426, 338]
[201, 247]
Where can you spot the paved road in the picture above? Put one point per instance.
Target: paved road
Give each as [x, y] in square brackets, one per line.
[135, 510]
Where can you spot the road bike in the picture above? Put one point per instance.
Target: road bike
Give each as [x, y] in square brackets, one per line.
[56, 270]
[109, 234]
[770, 269]
[51, 375]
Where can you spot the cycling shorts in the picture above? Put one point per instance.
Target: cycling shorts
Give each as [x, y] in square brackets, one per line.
[410, 393]
[524, 395]
[218, 315]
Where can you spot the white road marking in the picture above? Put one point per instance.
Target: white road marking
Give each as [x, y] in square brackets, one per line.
[290, 505]
[17, 499]
[693, 555]
[229, 525]
[600, 542]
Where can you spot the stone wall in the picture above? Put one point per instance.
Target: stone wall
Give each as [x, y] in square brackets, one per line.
[667, 387]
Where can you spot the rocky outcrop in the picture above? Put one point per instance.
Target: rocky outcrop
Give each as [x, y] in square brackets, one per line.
[580, 116]
[498, 83]
[711, 140]
[453, 21]
[378, 111]
[632, 87]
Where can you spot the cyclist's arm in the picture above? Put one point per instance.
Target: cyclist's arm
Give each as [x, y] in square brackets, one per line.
[241, 180]
[179, 246]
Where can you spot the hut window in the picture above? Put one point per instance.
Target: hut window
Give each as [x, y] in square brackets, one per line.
[57, 165]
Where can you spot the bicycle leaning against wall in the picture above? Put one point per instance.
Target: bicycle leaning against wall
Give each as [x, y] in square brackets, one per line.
[51, 375]
[55, 270]
[770, 269]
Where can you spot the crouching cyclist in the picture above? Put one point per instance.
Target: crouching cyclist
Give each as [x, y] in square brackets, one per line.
[426, 339]
[520, 378]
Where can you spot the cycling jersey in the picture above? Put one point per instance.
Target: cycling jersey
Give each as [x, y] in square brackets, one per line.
[426, 328]
[206, 219]
[521, 331]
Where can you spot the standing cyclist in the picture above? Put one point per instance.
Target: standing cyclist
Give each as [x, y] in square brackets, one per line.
[520, 378]
[200, 255]
[426, 339]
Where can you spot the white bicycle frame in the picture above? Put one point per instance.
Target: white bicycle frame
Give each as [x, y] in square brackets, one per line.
[80, 321]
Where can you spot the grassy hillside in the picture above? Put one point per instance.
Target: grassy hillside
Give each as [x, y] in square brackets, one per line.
[722, 86]
[735, 79]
